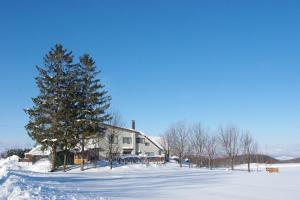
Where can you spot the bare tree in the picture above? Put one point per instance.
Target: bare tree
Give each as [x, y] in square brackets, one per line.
[179, 139]
[229, 139]
[165, 142]
[198, 140]
[190, 150]
[211, 149]
[111, 139]
[249, 147]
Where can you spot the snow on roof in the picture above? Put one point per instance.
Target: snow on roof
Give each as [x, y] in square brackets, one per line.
[156, 140]
[122, 128]
[51, 140]
[37, 151]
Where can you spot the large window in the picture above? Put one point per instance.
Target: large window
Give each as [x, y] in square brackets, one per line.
[127, 140]
[140, 140]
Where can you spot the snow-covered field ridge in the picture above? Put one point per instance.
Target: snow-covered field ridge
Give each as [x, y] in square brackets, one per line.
[19, 181]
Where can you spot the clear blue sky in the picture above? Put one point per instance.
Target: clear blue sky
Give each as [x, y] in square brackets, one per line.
[216, 62]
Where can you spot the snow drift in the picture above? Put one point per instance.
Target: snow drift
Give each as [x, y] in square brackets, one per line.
[156, 181]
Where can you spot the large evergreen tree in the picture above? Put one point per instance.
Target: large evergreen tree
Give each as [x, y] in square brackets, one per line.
[48, 122]
[92, 105]
[71, 105]
[70, 101]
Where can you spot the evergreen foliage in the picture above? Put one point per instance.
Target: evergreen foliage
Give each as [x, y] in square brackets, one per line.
[71, 104]
[18, 151]
[92, 103]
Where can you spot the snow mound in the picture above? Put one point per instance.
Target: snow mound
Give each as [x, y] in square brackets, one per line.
[12, 181]
[13, 157]
[10, 163]
[42, 165]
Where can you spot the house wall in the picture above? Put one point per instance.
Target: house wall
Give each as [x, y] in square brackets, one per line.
[120, 133]
[151, 149]
[28, 157]
[33, 158]
[136, 148]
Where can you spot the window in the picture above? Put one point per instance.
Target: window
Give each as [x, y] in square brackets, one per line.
[147, 144]
[140, 140]
[127, 151]
[127, 140]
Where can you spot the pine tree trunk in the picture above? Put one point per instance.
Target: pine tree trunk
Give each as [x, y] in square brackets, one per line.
[53, 158]
[95, 161]
[232, 164]
[209, 163]
[65, 158]
[82, 155]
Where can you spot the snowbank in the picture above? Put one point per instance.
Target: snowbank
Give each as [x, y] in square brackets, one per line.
[42, 165]
[12, 182]
[10, 163]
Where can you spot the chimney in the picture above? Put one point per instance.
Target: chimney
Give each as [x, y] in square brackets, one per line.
[133, 124]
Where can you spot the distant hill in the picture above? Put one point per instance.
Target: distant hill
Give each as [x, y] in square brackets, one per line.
[257, 158]
[241, 159]
[294, 160]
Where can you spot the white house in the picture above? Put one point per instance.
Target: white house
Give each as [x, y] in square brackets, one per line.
[129, 142]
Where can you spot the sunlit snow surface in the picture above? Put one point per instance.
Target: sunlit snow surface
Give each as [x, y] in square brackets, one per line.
[147, 182]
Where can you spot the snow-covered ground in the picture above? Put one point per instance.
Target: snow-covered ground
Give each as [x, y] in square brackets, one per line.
[19, 181]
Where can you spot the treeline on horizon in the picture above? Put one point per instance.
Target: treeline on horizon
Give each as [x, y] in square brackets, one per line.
[228, 146]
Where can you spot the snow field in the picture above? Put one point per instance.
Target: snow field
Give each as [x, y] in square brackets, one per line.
[148, 182]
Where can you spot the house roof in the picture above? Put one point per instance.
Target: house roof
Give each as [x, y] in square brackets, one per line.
[37, 151]
[122, 128]
[156, 140]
